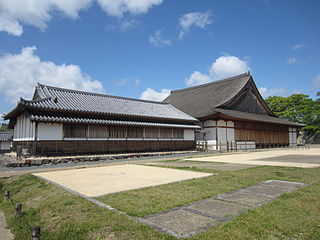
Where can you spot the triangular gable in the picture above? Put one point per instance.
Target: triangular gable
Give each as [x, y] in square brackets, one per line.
[248, 100]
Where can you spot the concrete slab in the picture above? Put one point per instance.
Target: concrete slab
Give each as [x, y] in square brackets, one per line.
[261, 158]
[209, 165]
[181, 221]
[296, 158]
[267, 190]
[219, 208]
[246, 198]
[283, 184]
[94, 182]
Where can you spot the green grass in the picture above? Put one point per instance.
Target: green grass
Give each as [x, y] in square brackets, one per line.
[142, 202]
[62, 215]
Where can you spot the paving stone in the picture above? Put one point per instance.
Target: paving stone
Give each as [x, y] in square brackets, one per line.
[247, 198]
[267, 190]
[283, 184]
[219, 208]
[181, 221]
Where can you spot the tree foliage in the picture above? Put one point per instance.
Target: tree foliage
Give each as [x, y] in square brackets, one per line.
[298, 108]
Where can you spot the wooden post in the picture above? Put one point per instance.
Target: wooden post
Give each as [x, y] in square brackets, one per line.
[18, 208]
[1, 187]
[35, 139]
[6, 195]
[36, 233]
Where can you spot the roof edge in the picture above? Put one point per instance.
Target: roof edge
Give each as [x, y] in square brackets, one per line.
[215, 82]
[99, 94]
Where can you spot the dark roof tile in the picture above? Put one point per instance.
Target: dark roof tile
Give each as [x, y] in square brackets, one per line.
[56, 119]
[59, 99]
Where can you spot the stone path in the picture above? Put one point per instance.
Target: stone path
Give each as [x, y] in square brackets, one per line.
[197, 217]
[5, 233]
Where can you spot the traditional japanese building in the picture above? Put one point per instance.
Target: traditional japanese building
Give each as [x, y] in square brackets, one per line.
[65, 121]
[233, 114]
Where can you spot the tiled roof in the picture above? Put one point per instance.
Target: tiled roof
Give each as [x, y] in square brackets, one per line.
[6, 136]
[56, 119]
[65, 100]
[256, 117]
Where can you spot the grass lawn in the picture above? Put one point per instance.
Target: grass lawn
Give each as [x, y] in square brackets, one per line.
[65, 216]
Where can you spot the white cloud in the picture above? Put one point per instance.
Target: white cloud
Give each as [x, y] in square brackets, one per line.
[151, 94]
[129, 23]
[228, 66]
[118, 8]
[223, 67]
[126, 81]
[15, 13]
[298, 46]
[292, 60]
[19, 74]
[137, 82]
[197, 78]
[35, 12]
[316, 81]
[122, 82]
[198, 19]
[266, 92]
[158, 40]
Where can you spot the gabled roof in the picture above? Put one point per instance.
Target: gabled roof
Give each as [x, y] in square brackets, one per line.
[49, 98]
[6, 136]
[198, 101]
[218, 98]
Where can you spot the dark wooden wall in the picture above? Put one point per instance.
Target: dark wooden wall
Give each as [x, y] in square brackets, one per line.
[261, 133]
[111, 146]
[247, 101]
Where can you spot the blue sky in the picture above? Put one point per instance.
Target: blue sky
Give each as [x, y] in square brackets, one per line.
[145, 48]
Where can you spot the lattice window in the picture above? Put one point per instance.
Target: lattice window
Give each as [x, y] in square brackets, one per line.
[75, 131]
[117, 132]
[135, 132]
[151, 132]
[178, 133]
[98, 131]
[166, 133]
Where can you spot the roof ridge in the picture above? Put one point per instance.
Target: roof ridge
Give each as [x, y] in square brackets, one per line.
[22, 100]
[99, 94]
[213, 83]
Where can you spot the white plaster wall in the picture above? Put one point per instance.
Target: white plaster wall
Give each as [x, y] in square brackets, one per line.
[211, 134]
[189, 134]
[49, 131]
[243, 145]
[209, 123]
[23, 129]
[230, 134]
[221, 123]
[6, 145]
[230, 124]
[222, 135]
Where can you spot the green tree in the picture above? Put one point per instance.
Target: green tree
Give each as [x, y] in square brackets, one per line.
[298, 108]
[294, 108]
